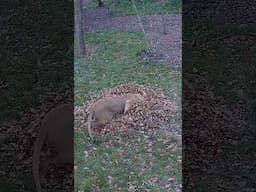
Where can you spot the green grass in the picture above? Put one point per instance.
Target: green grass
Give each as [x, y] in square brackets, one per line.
[144, 7]
[113, 60]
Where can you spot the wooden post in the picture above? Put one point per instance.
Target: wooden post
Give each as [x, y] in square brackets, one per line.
[79, 28]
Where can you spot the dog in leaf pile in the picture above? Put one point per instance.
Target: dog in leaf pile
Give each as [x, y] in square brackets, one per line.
[104, 110]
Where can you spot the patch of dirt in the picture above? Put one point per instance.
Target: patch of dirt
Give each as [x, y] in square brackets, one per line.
[149, 114]
[163, 31]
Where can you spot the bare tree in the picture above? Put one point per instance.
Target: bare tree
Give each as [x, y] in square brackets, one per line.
[79, 28]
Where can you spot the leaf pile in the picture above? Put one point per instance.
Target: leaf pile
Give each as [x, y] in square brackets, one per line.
[151, 113]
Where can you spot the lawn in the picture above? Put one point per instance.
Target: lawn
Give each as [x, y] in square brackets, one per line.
[139, 160]
[144, 7]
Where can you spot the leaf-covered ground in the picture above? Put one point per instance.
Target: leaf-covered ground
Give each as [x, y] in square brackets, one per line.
[218, 94]
[139, 161]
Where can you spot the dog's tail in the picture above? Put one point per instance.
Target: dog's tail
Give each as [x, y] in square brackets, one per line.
[89, 123]
[36, 155]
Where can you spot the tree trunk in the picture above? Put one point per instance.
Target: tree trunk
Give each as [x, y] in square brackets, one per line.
[100, 3]
[79, 28]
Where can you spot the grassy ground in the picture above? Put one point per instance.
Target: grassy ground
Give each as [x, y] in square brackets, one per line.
[143, 6]
[119, 165]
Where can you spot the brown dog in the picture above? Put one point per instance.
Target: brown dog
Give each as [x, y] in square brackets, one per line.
[103, 111]
[57, 129]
